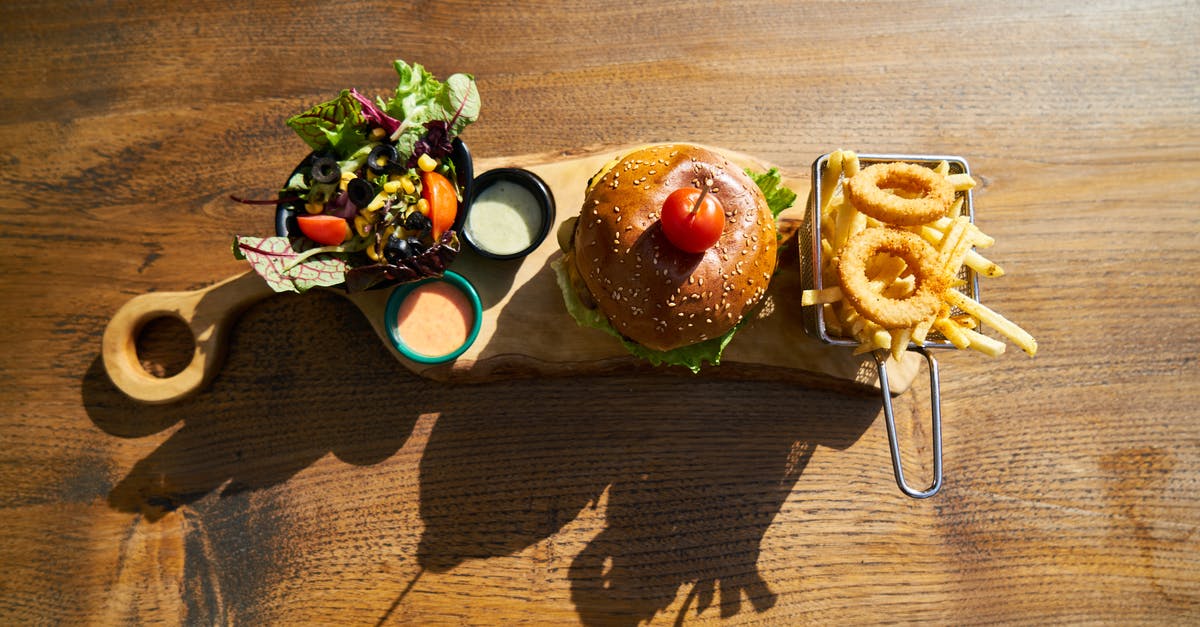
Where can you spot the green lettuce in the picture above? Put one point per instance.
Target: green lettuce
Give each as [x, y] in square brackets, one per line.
[288, 270]
[691, 356]
[771, 183]
[420, 99]
[334, 123]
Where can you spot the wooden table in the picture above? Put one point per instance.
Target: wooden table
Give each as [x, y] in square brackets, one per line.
[317, 480]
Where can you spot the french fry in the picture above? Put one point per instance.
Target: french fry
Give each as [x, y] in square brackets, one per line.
[921, 330]
[900, 288]
[847, 222]
[943, 224]
[900, 339]
[953, 332]
[982, 265]
[961, 182]
[833, 322]
[822, 296]
[876, 339]
[984, 344]
[1002, 325]
[957, 255]
[850, 164]
[965, 321]
[833, 174]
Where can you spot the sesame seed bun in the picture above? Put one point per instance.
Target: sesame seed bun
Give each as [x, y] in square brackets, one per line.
[652, 292]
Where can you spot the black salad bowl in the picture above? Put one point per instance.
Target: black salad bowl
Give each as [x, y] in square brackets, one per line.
[287, 210]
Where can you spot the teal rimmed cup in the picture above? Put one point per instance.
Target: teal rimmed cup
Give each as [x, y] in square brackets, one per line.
[401, 293]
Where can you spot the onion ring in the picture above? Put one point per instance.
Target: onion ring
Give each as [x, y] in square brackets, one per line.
[869, 192]
[892, 313]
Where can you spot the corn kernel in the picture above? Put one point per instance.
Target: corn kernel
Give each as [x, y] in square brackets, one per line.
[377, 203]
[426, 163]
[391, 187]
[362, 225]
[314, 207]
[346, 176]
[377, 133]
[407, 185]
[423, 206]
[373, 253]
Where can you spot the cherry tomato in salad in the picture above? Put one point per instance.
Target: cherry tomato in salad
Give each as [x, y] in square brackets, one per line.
[689, 227]
[323, 229]
[439, 192]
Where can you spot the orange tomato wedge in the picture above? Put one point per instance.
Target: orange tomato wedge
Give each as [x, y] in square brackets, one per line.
[324, 230]
[439, 192]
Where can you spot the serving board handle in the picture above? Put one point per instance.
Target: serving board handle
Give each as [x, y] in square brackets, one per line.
[207, 312]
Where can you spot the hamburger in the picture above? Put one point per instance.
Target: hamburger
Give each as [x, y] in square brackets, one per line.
[671, 298]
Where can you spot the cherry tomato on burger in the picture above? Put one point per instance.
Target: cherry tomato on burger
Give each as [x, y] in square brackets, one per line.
[689, 227]
[438, 191]
[323, 229]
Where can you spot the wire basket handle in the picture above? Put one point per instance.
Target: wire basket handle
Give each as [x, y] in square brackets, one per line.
[890, 419]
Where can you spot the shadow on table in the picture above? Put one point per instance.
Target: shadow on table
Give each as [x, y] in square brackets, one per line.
[695, 469]
[692, 489]
[278, 405]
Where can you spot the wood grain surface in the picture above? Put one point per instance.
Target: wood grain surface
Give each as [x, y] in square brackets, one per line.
[317, 480]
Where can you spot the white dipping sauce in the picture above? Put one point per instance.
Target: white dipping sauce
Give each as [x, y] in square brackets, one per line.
[504, 218]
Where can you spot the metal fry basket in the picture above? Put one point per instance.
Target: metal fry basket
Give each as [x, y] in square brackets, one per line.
[812, 262]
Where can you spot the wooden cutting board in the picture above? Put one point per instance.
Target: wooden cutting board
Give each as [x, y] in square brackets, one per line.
[525, 329]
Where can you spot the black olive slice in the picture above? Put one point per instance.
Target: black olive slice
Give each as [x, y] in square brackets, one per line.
[325, 170]
[417, 221]
[382, 158]
[397, 250]
[361, 192]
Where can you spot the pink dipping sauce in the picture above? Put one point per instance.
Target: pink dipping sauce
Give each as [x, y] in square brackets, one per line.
[434, 319]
